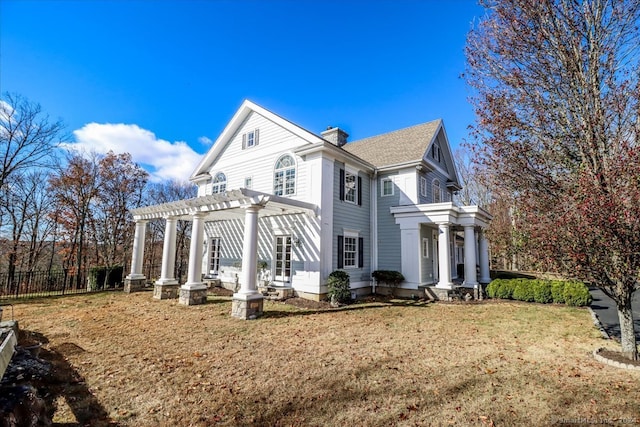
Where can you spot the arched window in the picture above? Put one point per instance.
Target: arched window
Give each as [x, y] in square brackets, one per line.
[284, 176]
[219, 184]
[437, 194]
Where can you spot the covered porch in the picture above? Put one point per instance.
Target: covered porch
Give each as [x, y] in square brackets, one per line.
[243, 203]
[428, 232]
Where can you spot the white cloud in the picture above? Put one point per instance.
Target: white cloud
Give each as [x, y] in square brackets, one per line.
[163, 160]
[207, 142]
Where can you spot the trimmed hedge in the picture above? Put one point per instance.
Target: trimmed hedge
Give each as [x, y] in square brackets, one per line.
[339, 287]
[572, 293]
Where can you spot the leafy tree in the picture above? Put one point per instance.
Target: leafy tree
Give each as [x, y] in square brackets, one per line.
[556, 94]
[121, 184]
[75, 186]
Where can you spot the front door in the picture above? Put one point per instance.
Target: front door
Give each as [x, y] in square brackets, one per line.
[283, 259]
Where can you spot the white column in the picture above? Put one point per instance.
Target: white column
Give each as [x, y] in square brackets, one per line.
[250, 251]
[137, 254]
[484, 258]
[169, 253]
[444, 267]
[470, 276]
[194, 276]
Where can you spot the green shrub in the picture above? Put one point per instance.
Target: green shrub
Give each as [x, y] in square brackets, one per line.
[557, 291]
[339, 287]
[542, 292]
[492, 288]
[505, 291]
[389, 277]
[523, 290]
[576, 294]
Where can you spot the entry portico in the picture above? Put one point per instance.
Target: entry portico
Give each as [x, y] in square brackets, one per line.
[446, 219]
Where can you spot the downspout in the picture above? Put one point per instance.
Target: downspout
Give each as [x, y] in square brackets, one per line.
[374, 227]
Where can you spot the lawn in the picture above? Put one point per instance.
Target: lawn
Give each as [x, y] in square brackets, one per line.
[132, 360]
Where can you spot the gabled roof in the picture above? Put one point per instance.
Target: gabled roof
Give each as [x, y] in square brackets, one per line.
[234, 124]
[397, 147]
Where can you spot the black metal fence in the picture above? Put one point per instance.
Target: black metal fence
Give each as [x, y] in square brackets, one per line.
[44, 283]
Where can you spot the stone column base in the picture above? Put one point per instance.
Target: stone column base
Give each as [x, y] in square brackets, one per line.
[165, 291]
[134, 285]
[193, 295]
[247, 306]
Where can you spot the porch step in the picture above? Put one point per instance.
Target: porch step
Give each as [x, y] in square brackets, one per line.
[276, 293]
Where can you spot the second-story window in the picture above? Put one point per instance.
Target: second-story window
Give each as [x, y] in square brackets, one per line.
[423, 186]
[437, 194]
[219, 184]
[350, 187]
[284, 176]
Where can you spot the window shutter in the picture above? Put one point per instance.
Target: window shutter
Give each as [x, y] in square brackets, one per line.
[244, 141]
[340, 251]
[360, 252]
[359, 191]
[341, 184]
[255, 136]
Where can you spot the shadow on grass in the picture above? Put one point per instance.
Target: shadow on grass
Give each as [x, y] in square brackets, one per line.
[277, 314]
[65, 381]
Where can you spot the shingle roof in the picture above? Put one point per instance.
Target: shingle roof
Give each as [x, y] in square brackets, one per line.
[400, 146]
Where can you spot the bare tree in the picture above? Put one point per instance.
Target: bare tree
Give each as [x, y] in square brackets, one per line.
[557, 99]
[27, 136]
[473, 178]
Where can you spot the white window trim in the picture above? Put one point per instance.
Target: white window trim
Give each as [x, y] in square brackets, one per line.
[350, 234]
[250, 179]
[433, 198]
[245, 137]
[213, 183]
[284, 183]
[382, 181]
[354, 174]
[423, 186]
[425, 247]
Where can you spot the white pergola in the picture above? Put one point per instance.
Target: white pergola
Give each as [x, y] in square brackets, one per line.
[228, 205]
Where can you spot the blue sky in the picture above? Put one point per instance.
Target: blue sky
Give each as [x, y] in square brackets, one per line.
[161, 79]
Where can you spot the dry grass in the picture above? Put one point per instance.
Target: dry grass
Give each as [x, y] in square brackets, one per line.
[144, 362]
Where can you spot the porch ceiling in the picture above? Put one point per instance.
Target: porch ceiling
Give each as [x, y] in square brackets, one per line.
[227, 205]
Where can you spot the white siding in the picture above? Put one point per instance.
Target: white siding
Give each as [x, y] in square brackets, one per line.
[257, 162]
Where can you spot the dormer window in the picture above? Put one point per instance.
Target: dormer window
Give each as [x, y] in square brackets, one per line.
[219, 184]
[250, 139]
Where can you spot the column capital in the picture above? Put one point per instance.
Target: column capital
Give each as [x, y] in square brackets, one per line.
[252, 208]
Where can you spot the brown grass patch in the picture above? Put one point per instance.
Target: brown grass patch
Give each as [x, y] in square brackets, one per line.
[145, 362]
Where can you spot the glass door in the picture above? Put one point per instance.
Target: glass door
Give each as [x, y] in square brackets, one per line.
[283, 259]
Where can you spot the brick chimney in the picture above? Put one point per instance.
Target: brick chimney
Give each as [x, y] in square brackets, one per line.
[335, 136]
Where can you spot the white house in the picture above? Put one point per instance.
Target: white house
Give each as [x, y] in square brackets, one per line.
[301, 205]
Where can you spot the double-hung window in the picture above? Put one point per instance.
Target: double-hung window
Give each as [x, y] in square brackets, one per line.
[423, 186]
[350, 187]
[350, 250]
[437, 194]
